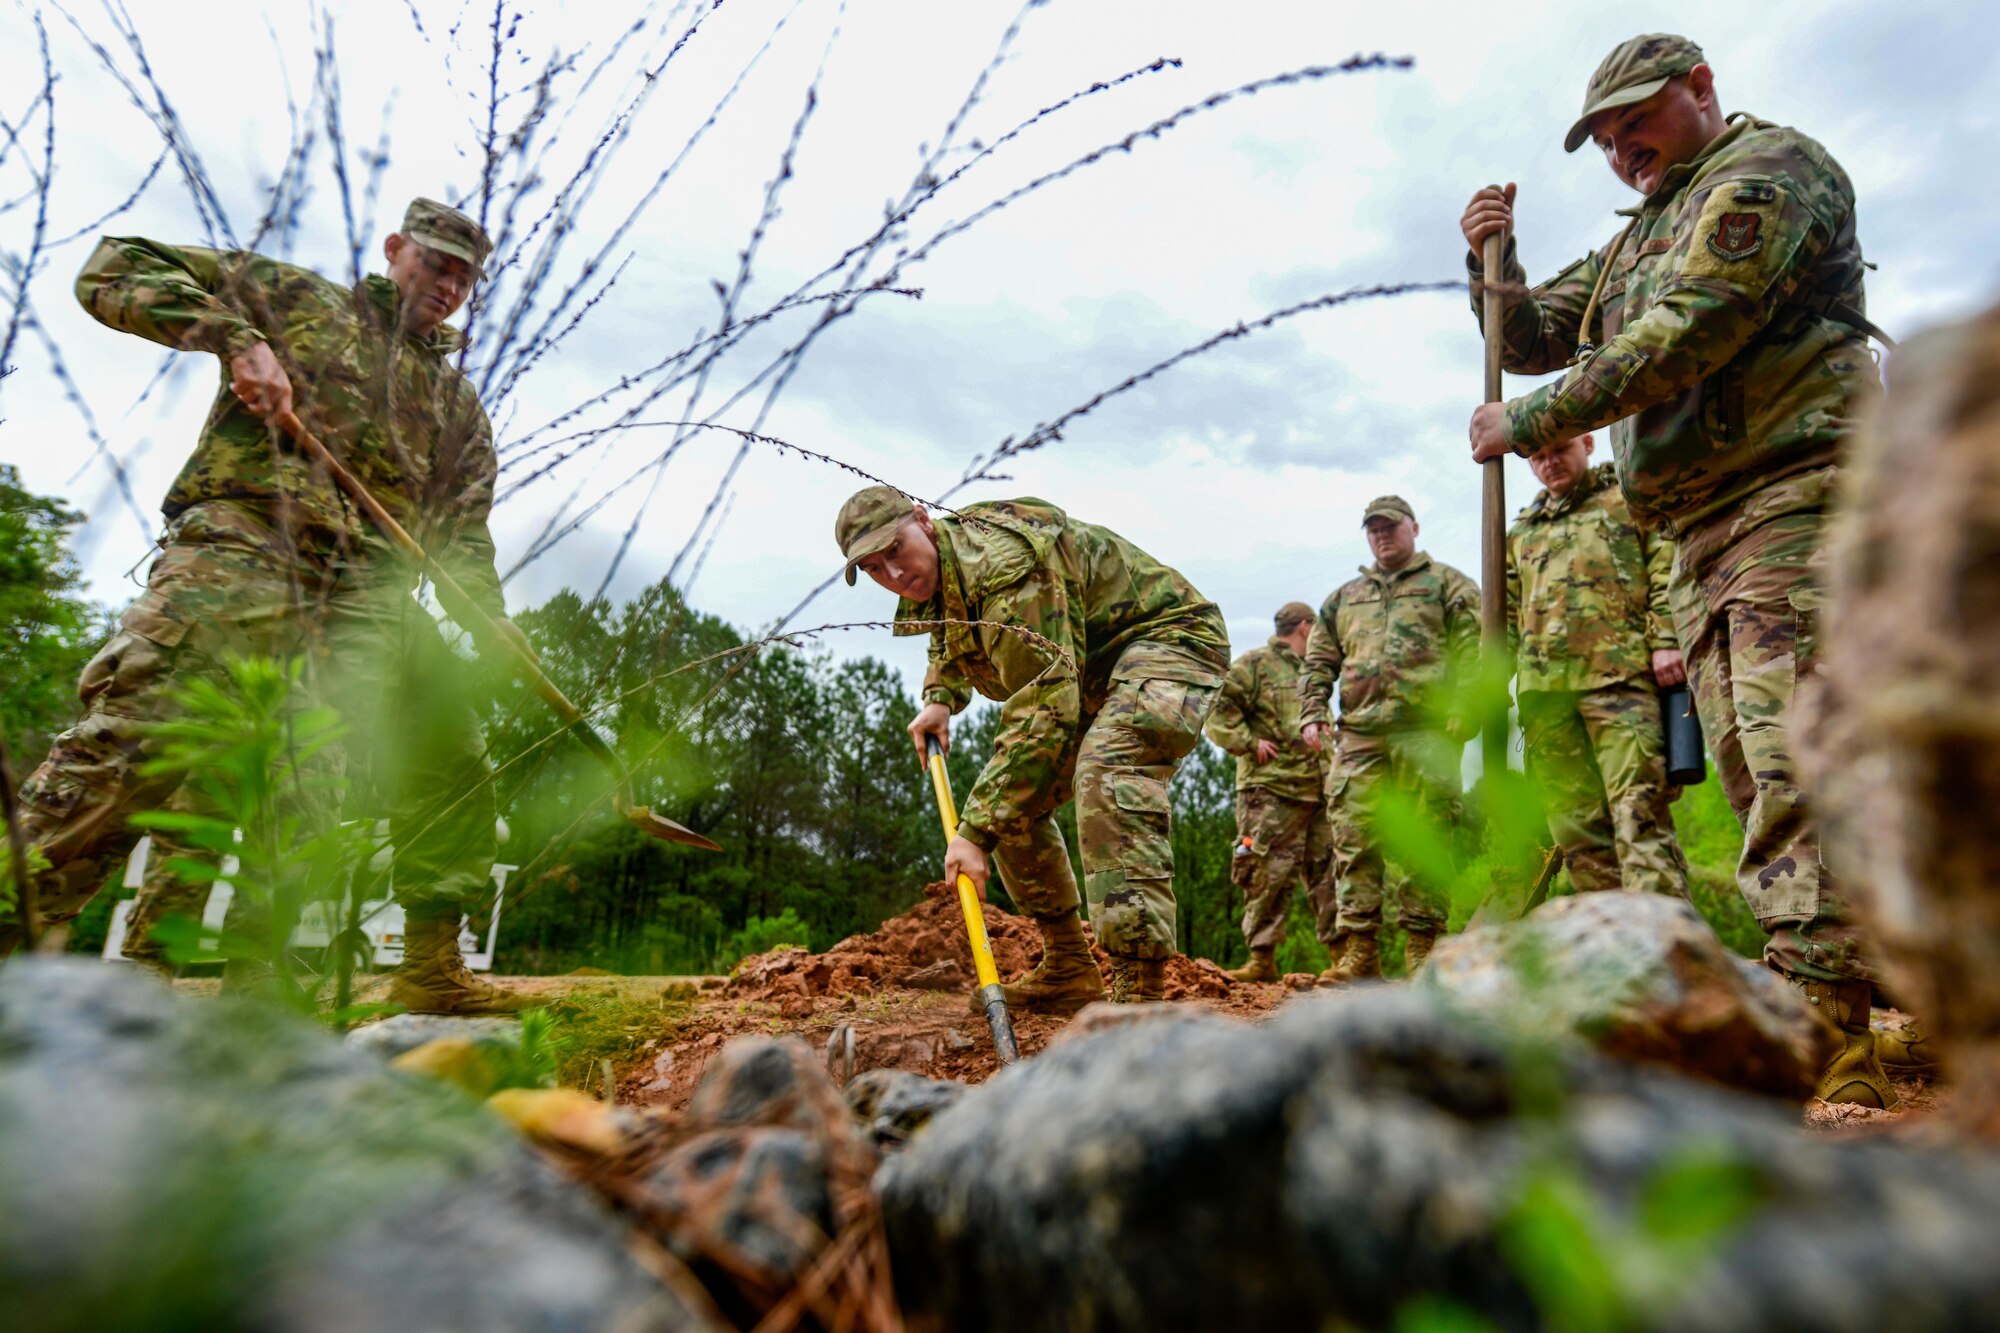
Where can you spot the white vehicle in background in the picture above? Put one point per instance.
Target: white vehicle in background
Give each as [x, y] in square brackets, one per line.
[381, 919]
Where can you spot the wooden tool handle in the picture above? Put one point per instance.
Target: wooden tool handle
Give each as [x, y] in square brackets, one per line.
[1493, 516]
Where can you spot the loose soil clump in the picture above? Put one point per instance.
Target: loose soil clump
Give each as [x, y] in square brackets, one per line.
[904, 990]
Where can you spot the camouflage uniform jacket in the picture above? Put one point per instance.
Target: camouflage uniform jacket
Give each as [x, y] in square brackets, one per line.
[388, 404]
[1107, 610]
[1730, 353]
[1260, 701]
[1586, 590]
[1403, 646]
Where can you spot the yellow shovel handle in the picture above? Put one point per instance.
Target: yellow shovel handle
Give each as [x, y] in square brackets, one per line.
[968, 896]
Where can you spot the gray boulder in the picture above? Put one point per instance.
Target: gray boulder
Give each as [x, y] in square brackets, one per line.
[179, 1163]
[401, 1033]
[1368, 1153]
[1641, 977]
[894, 1104]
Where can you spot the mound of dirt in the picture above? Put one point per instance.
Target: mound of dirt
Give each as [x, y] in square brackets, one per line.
[926, 949]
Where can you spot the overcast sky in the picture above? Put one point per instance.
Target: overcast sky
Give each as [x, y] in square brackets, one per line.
[1246, 468]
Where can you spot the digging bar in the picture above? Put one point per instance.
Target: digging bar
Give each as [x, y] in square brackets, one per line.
[990, 994]
[490, 638]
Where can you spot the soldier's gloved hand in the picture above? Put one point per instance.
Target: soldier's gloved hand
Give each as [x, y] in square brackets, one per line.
[1266, 751]
[1313, 734]
[931, 720]
[256, 377]
[969, 859]
[1668, 669]
[1491, 210]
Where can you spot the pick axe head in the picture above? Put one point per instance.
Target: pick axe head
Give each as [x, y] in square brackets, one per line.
[666, 830]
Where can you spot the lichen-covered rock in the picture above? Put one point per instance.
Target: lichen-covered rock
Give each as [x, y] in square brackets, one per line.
[1642, 977]
[400, 1034]
[1903, 747]
[775, 1169]
[1368, 1152]
[181, 1163]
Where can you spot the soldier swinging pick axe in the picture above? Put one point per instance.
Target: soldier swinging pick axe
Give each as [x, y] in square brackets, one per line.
[1105, 663]
[280, 545]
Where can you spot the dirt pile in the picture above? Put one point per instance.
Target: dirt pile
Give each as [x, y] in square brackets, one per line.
[926, 949]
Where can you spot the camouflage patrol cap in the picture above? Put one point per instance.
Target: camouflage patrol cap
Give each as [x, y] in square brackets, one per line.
[1633, 72]
[1290, 614]
[442, 228]
[868, 523]
[1387, 506]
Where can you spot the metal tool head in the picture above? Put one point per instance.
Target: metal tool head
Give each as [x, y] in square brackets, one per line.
[666, 830]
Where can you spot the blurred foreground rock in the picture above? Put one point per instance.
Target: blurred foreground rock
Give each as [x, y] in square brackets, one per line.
[766, 1175]
[172, 1163]
[1903, 747]
[1365, 1152]
[1642, 977]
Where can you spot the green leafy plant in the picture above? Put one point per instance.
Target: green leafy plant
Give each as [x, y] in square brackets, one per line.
[254, 759]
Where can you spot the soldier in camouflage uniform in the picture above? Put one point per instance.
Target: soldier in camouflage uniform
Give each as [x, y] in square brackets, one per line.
[1282, 833]
[265, 555]
[1403, 642]
[1592, 635]
[1724, 332]
[1106, 663]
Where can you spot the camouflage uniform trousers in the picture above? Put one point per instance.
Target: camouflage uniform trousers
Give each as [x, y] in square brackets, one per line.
[1746, 610]
[224, 585]
[1118, 768]
[1287, 840]
[1423, 768]
[1599, 760]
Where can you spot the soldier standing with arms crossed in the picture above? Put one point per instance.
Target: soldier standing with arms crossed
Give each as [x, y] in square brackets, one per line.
[1588, 621]
[1282, 831]
[264, 555]
[1725, 332]
[1403, 642]
[1105, 663]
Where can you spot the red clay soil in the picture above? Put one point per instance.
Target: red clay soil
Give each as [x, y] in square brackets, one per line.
[904, 991]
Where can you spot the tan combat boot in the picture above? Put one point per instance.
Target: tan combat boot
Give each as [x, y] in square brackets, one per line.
[1259, 968]
[1360, 961]
[1416, 948]
[1066, 979]
[1336, 954]
[1907, 1048]
[434, 979]
[1854, 1075]
[1138, 979]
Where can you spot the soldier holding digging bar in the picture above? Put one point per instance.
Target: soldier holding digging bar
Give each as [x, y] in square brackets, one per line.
[1724, 332]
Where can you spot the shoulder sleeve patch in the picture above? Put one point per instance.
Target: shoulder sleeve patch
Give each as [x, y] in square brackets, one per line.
[1733, 238]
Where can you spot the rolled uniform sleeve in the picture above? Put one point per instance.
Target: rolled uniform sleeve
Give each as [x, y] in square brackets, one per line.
[173, 295]
[1320, 667]
[1725, 290]
[1538, 326]
[1229, 721]
[1039, 720]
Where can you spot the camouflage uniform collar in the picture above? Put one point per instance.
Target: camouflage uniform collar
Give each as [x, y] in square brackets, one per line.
[1548, 505]
[1276, 643]
[1739, 123]
[382, 296]
[1421, 560]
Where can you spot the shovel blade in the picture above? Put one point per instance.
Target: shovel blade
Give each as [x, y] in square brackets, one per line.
[666, 830]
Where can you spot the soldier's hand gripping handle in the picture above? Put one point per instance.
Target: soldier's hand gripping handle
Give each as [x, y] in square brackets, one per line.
[1491, 210]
